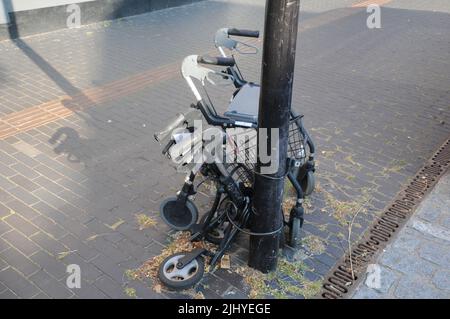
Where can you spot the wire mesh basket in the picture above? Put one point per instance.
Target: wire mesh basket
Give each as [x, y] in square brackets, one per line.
[296, 144]
[244, 152]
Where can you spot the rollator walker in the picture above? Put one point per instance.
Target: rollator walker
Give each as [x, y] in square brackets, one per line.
[231, 169]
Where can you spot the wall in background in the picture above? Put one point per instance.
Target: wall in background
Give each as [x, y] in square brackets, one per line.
[23, 5]
[20, 18]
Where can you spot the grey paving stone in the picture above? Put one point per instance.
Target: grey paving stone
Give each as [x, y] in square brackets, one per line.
[367, 293]
[24, 226]
[415, 287]
[215, 284]
[138, 252]
[76, 228]
[108, 249]
[232, 278]
[3, 265]
[23, 195]
[436, 253]
[51, 245]
[75, 244]
[6, 159]
[106, 265]
[8, 294]
[26, 149]
[4, 227]
[41, 296]
[46, 183]
[60, 168]
[23, 209]
[431, 230]
[49, 227]
[4, 245]
[19, 241]
[8, 149]
[24, 182]
[445, 222]
[431, 208]
[48, 172]
[51, 264]
[24, 170]
[49, 198]
[18, 284]
[233, 293]
[407, 263]
[4, 211]
[50, 286]
[2, 286]
[441, 280]
[110, 287]
[143, 290]
[6, 184]
[5, 197]
[6, 171]
[49, 212]
[20, 262]
[88, 291]
[408, 240]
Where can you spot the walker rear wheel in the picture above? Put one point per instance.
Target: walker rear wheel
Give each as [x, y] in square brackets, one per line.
[307, 181]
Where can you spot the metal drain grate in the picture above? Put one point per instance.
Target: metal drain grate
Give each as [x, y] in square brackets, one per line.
[341, 281]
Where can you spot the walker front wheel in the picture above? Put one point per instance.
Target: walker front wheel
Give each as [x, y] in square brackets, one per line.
[178, 216]
[294, 232]
[183, 278]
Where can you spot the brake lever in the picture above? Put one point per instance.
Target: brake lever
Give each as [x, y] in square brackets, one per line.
[254, 51]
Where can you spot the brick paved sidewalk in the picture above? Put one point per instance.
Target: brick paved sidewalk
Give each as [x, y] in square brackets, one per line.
[417, 263]
[78, 109]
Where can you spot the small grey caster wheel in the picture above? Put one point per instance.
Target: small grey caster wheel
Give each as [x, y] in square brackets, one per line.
[183, 278]
[294, 233]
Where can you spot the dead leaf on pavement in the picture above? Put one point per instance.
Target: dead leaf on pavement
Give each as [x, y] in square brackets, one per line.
[145, 221]
[115, 225]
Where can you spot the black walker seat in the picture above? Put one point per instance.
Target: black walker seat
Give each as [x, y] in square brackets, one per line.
[244, 106]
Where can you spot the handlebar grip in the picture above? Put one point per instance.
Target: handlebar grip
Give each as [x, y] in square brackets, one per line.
[222, 61]
[243, 33]
[169, 128]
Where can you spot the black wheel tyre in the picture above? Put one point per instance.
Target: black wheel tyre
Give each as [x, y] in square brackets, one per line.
[184, 278]
[179, 219]
[308, 183]
[294, 233]
[215, 235]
